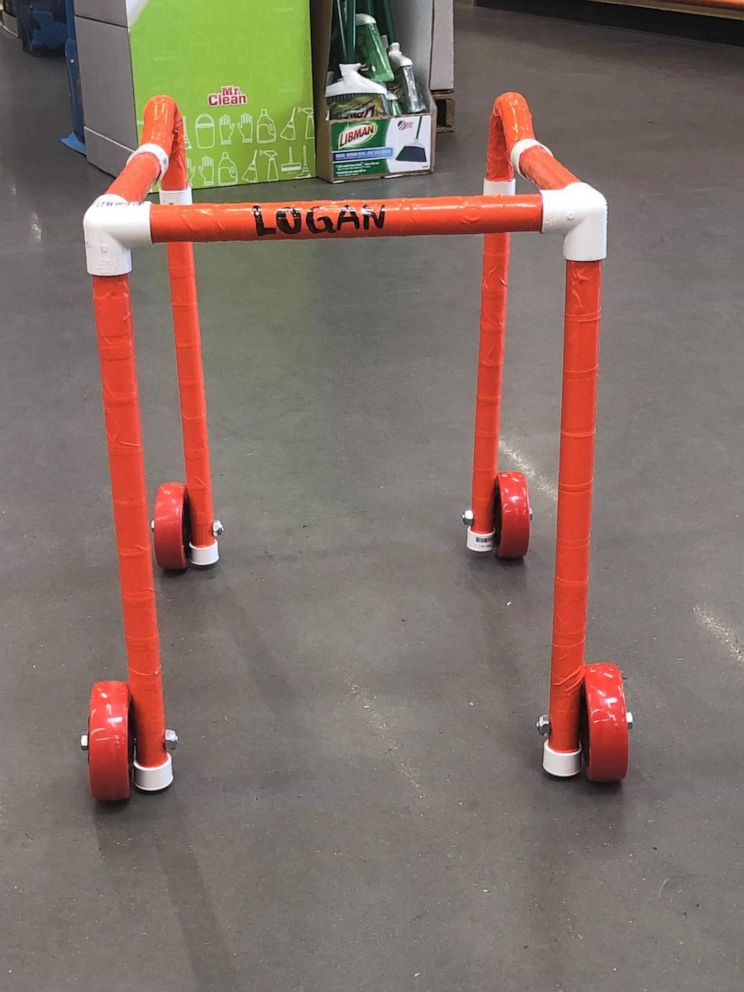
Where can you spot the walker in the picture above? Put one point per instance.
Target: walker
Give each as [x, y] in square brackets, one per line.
[587, 722]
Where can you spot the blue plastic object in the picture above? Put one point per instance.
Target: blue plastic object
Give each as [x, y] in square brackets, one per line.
[76, 138]
[42, 25]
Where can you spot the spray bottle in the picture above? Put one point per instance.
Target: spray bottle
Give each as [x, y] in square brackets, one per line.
[404, 86]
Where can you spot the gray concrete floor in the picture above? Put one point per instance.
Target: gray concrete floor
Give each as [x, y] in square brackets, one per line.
[359, 805]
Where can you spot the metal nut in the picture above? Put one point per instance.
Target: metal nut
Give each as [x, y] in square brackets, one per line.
[171, 740]
[629, 719]
[83, 742]
[217, 529]
[543, 725]
[468, 517]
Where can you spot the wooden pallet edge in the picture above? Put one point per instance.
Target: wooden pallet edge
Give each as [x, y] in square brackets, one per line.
[445, 103]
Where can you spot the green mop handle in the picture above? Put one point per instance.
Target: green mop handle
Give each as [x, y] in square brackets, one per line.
[385, 17]
[351, 12]
[338, 11]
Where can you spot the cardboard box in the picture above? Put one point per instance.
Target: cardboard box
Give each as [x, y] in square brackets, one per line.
[241, 74]
[109, 11]
[375, 147]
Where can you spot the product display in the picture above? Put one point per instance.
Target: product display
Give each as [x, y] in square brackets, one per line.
[372, 89]
[127, 733]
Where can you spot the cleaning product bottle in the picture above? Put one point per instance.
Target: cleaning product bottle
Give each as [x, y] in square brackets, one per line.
[227, 171]
[355, 96]
[265, 128]
[371, 50]
[405, 87]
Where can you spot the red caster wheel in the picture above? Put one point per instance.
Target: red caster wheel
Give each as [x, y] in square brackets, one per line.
[511, 515]
[605, 724]
[171, 530]
[110, 741]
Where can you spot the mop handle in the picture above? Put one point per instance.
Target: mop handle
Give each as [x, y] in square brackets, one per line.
[341, 31]
[351, 10]
[385, 14]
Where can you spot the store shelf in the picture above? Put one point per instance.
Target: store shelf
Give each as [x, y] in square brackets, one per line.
[711, 8]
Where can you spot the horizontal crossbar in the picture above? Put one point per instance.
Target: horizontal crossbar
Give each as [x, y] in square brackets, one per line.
[346, 219]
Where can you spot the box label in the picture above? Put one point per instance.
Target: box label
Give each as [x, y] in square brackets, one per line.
[368, 147]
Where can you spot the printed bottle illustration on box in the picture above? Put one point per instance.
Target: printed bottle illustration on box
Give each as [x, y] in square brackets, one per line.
[247, 120]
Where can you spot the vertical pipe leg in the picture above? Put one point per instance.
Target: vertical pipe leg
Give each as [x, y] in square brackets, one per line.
[488, 392]
[115, 330]
[187, 334]
[562, 755]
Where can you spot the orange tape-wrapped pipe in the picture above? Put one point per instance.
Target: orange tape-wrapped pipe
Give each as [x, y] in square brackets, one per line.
[115, 330]
[163, 126]
[511, 122]
[177, 174]
[345, 219]
[490, 373]
[136, 178]
[494, 285]
[191, 392]
[575, 479]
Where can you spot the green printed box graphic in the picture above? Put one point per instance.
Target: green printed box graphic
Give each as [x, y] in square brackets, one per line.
[241, 75]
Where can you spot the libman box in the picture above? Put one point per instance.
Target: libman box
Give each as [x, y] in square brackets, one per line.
[372, 144]
[240, 72]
